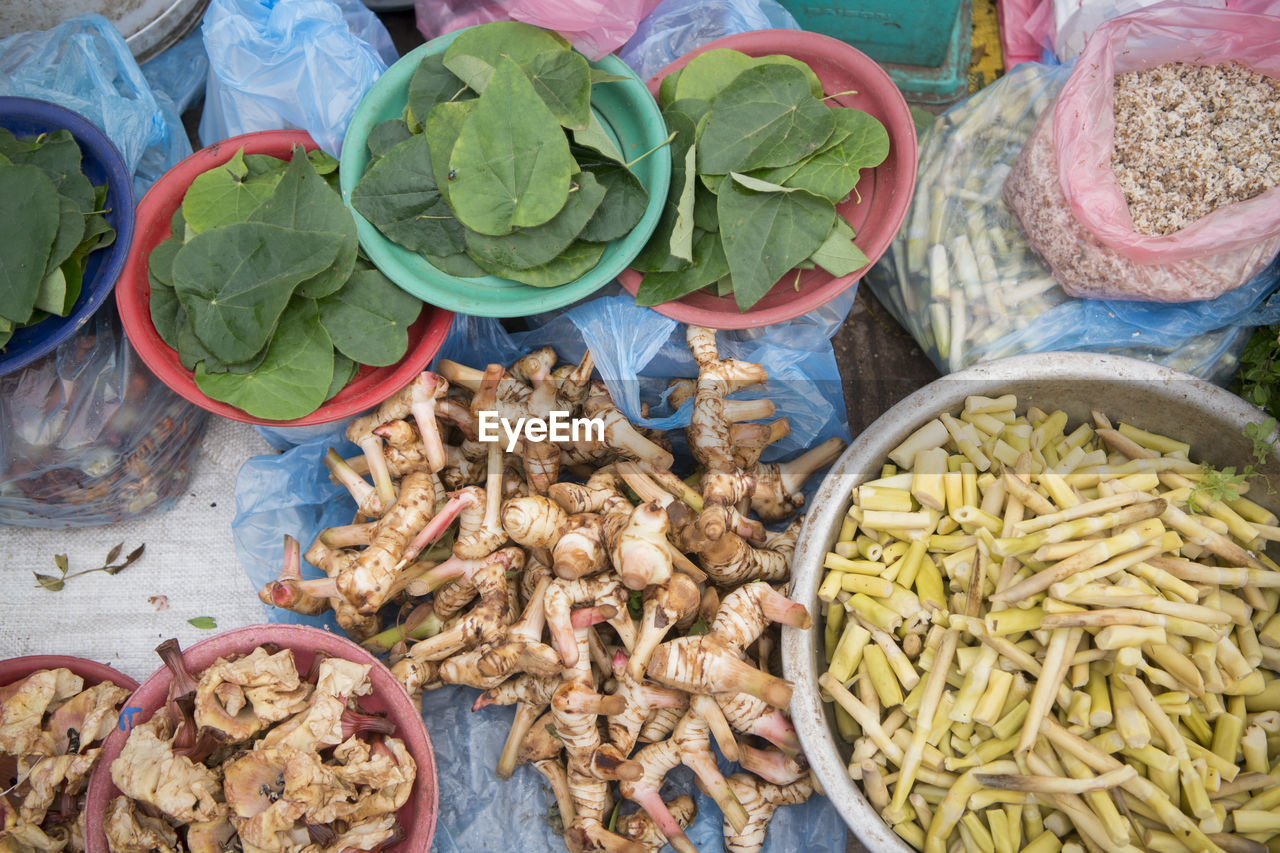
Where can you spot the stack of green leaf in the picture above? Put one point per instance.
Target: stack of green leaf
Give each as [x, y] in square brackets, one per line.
[758, 164]
[262, 291]
[53, 219]
[499, 165]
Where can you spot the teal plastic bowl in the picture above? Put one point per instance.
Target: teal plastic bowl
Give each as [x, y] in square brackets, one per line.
[625, 108]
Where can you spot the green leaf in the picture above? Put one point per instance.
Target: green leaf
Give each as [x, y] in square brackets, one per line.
[167, 315]
[704, 209]
[70, 234]
[263, 166]
[667, 88]
[766, 117]
[599, 75]
[192, 353]
[322, 162]
[724, 286]
[60, 560]
[766, 234]
[525, 248]
[160, 261]
[837, 254]
[236, 280]
[398, 195]
[292, 380]
[597, 138]
[222, 196]
[368, 320]
[52, 296]
[303, 201]
[72, 271]
[657, 254]
[29, 207]
[682, 229]
[624, 202]
[458, 264]
[511, 163]
[385, 136]
[474, 56]
[709, 265]
[433, 84]
[58, 155]
[710, 72]
[344, 369]
[49, 582]
[563, 80]
[441, 129]
[572, 264]
[207, 623]
[833, 172]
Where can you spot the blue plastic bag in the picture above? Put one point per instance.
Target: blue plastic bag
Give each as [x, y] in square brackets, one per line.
[961, 277]
[635, 350]
[676, 27]
[277, 64]
[83, 64]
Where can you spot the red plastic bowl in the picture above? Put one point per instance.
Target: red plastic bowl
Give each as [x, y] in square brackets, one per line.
[92, 672]
[417, 817]
[875, 209]
[369, 387]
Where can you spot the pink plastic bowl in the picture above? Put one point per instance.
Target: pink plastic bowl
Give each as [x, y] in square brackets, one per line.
[875, 209]
[417, 817]
[92, 672]
[369, 387]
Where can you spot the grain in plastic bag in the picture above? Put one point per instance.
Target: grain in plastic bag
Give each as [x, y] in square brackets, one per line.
[963, 279]
[635, 350]
[1068, 164]
[278, 64]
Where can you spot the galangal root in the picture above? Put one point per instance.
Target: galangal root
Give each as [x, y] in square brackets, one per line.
[626, 610]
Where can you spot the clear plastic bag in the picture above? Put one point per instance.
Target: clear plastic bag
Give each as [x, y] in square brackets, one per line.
[277, 64]
[676, 27]
[1084, 127]
[635, 350]
[89, 437]
[83, 64]
[962, 278]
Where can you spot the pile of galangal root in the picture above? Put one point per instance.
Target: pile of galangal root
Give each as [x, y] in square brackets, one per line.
[625, 612]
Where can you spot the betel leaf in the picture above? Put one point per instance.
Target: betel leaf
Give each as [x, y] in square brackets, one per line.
[369, 318]
[192, 353]
[322, 161]
[432, 84]
[599, 75]
[667, 89]
[160, 261]
[837, 254]
[474, 56]
[624, 202]
[398, 194]
[833, 171]
[223, 195]
[767, 233]
[71, 225]
[385, 136]
[58, 155]
[56, 296]
[524, 248]
[682, 229]
[766, 117]
[657, 254]
[704, 209]
[344, 369]
[575, 261]
[236, 280]
[167, 315]
[511, 163]
[710, 72]
[597, 138]
[562, 79]
[303, 201]
[29, 207]
[709, 265]
[459, 264]
[441, 128]
[292, 380]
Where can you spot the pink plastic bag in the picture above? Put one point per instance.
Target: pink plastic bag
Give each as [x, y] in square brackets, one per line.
[1084, 125]
[595, 27]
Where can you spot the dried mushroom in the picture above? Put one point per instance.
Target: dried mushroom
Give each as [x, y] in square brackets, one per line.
[270, 761]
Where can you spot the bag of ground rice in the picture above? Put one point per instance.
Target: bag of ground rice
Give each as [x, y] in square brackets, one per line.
[1156, 175]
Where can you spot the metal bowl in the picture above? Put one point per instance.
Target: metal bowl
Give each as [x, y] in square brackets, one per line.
[1145, 395]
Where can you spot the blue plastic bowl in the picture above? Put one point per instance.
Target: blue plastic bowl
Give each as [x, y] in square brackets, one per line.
[101, 162]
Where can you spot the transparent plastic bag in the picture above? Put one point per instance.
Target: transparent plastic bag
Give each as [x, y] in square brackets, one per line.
[277, 64]
[594, 27]
[1084, 128]
[676, 27]
[635, 350]
[89, 437]
[83, 64]
[963, 279]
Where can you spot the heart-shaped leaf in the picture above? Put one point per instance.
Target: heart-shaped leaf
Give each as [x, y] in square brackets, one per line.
[569, 265]
[837, 254]
[709, 265]
[369, 318]
[223, 195]
[398, 194]
[29, 207]
[511, 162]
[433, 84]
[475, 54]
[525, 248]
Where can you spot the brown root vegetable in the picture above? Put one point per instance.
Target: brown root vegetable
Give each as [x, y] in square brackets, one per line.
[639, 698]
[732, 560]
[580, 550]
[534, 521]
[642, 554]
[665, 605]
[369, 582]
[760, 799]
[640, 827]
[619, 435]
[542, 747]
[778, 484]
